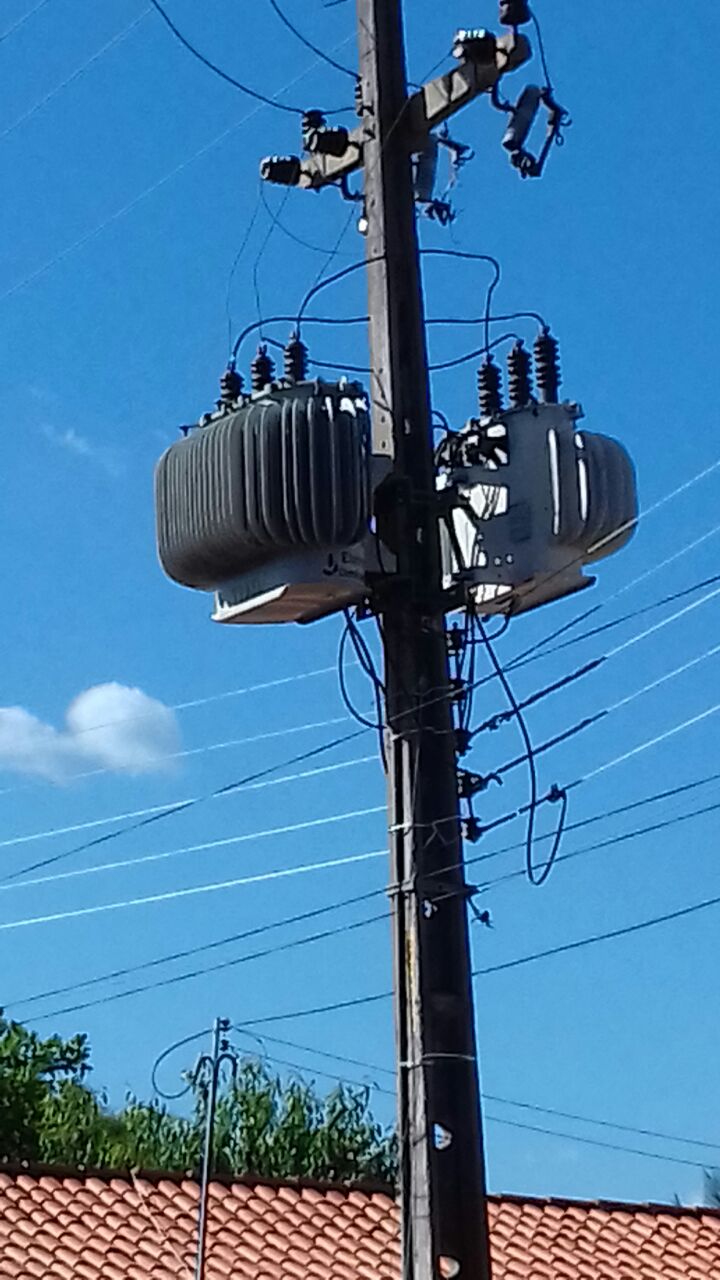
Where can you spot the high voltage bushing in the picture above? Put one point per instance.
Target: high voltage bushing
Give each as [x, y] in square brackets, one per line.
[514, 13]
[262, 369]
[519, 376]
[547, 367]
[475, 45]
[295, 359]
[231, 385]
[489, 381]
[285, 171]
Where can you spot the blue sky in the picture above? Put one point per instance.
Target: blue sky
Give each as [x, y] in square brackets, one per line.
[125, 201]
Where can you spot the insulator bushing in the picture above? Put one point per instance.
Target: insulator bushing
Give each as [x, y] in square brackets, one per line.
[231, 385]
[262, 369]
[547, 367]
[285, 171]
[311, 121]
[489, 388]
[359, 99]
[295, 359]
[519, 376]
[514, 13]
[327, 142]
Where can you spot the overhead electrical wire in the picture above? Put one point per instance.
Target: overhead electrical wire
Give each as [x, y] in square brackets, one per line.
[21, 21]
[143, 817]
[224, 745]
[594, 1142]
[122, 210]
[320, 53]
[224, 842]
[376, 1069]
[75, 75]
[336, 906]
[157, 812]
[224, 75]
[173, 895]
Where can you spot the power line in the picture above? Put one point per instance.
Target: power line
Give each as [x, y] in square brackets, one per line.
[661, 1135]
[124, 209]
[157, 812]
[187, 952]
[339, 930]
[216, 968]
[223, 843]
[224, 745]
[595, 1142]
[224, 75]
[320, 53]
[21, 21]
[594, 938]
[75, 75]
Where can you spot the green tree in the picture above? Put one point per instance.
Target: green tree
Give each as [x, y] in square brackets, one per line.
[265, 1124]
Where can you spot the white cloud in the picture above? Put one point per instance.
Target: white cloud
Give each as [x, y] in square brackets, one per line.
[109, 726]
[72, 442]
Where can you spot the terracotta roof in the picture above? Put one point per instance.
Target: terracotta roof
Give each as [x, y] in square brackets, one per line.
[56, 1226]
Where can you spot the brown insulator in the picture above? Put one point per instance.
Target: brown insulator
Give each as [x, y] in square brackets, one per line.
[262, 369]
[547, 367]
[489, 388]
[231, 385]
[519, 376]
[295, 359]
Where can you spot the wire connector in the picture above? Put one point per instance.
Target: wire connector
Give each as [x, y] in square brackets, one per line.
[473, 784]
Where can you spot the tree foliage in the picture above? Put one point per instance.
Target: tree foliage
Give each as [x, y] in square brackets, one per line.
[265, 1124]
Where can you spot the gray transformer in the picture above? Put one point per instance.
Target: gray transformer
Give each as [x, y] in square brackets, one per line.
[267, 502]
[532, 499]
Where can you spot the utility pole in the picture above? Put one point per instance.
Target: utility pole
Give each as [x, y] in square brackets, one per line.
[443, 1193]
[209, 1066]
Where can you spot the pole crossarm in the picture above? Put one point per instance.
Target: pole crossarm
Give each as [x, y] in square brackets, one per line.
[426, 109]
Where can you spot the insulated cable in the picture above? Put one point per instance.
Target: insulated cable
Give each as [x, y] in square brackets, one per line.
[223, 75]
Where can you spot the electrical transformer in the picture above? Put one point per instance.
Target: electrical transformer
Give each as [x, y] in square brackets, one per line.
[266, 503]
[531, 500]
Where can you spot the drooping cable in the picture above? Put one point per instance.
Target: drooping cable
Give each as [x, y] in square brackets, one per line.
[320, 53]
[224, 75]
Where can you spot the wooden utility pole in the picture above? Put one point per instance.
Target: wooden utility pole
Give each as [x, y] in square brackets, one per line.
[444, 1218]
[443, 1196]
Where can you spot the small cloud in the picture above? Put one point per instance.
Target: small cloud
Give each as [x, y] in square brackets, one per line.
[109, 726]
[72, 442]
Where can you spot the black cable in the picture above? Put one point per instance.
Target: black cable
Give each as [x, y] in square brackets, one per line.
[218, 71]
[115, 974]
[432, 368]
[580, 943]
[320, 53]
[595, 1142]
[292, 235]
[502, 717]
[471, 355]
[541, 50]
[186, 804]
[201, 949]
[350, 707]
[259, 258]
[215, 968]
[236, 262]
[532, 769]
[179, 1044]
